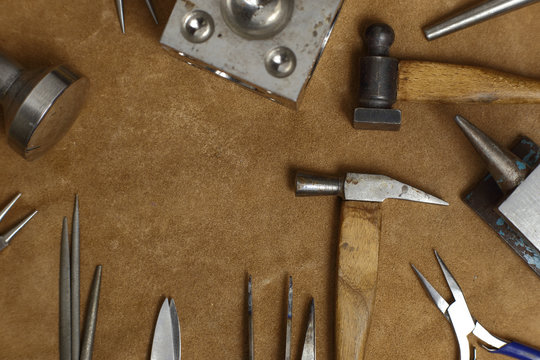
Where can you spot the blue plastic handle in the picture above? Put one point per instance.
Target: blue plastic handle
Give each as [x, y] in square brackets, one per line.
[518, 351]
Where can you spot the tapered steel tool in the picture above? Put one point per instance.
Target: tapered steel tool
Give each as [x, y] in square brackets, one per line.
[39, 105]
[384, 80]
[288, 332]
[167, 343]
[251, 354]
[70, 337]
[464, 324]
[516, 208]
[6, 238]
[120, 9]
[358, 249]
[485, 11]
[310, 350]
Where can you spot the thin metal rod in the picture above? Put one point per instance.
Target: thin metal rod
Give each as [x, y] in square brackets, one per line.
[250, 321]
[152, 11]
[75, 284]
[91, 317]
[9, 206]
[65, 296]
[289, 321]
[11, 233]
[120, 8]
[486, 10]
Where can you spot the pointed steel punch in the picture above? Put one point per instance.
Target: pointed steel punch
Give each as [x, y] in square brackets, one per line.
[167, 343]
[70, 336]
[6, 238]
[464, 324]
[120, 8]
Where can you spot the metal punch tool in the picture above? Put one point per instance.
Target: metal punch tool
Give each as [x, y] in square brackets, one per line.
[167, 343]
[309, 351]
[120, 8]
[6, 238]
[485, 11]
[464, 324]
[70, 336]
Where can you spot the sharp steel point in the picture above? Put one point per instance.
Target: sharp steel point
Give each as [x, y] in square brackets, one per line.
[310, 349]
[250, 320]
[6, 238]
[120, 8]
[152, 11]
[9, 206]
[91, 317]
[289, 321]
[75, 283]
[506, 168]
[65, 296]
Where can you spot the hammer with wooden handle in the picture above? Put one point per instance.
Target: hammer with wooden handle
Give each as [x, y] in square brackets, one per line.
[358, 251]
[385, 80]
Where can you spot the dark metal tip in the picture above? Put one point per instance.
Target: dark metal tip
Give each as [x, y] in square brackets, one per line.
[379, 38]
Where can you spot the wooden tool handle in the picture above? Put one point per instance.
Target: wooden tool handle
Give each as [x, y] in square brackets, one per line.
[358, 257]
[448, 83]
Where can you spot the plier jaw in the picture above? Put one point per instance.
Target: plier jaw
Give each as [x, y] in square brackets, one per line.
[6, 238]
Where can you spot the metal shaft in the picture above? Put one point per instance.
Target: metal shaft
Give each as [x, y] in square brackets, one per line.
[506, 168]
[482, 12]
[250, 321]
[75, 284]
[310, 185]
[91, 317]
[65, 296]
[289, 321]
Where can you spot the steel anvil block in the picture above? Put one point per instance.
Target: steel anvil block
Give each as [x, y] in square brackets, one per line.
[269, 46]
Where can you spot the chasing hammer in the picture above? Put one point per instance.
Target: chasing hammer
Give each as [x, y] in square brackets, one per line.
[39, 105]
[358, 250]
[385, 80]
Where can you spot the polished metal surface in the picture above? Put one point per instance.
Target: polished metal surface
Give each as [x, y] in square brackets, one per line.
[65, 295]
[166, 344]
[486, 10]
[6, 238]
[257, 19]
[251, 353]
[75, 281]
[522, 208]
[268, 46]
[361, 187]
[280, 62]
[39, 106]
[457, 313]
[309, 352]
[507, 169]
[120, 9]
[198, 26]
[91, 317]
[288, 332]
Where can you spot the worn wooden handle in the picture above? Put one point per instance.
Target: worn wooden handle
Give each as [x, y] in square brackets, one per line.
[448, 83]
[358, 257]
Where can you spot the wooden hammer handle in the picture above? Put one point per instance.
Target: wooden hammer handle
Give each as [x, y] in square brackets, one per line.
[358, 258]
[449, 83]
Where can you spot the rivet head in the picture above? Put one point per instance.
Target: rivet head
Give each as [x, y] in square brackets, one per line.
[280, 62]
[197, 26]
[257, 19]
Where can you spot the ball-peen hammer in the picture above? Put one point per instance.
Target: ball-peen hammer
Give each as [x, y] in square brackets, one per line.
[358, 249]
[385, 80]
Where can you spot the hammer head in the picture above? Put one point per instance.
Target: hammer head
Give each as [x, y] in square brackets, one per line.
[378, 82]
[361, 187]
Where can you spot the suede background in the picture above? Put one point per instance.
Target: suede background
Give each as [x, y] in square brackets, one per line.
[185, 184]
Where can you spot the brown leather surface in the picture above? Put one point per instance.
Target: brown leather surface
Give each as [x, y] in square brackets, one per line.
[185, 184]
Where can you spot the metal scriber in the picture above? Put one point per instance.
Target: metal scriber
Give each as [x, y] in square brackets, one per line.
[70, 336]
[484, 11]
[120, 8]
[464, 324]
[6, 238]
[167, 344]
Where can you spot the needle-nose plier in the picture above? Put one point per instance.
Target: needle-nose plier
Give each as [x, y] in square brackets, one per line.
[6, 238]
[464, 324]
